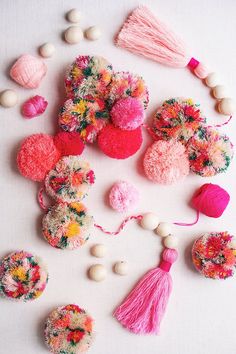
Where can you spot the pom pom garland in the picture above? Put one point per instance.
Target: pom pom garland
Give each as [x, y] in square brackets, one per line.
[69, 143]
[34, 107]
[127, 113]
[22, 276]
[123, 196]
[69, 329]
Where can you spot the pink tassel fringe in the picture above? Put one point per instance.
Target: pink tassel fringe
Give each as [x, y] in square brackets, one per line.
[144, 34]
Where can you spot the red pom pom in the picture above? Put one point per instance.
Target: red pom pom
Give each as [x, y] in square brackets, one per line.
[118, 143]
[69, 143]
[37, 156]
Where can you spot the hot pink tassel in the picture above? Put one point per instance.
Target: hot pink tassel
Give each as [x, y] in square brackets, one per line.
[143, 309]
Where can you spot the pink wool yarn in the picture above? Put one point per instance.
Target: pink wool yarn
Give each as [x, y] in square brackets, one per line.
[28, 71]
[211, 200]
[123, 196]
[127, 113]
[166, 162]
[34, 106]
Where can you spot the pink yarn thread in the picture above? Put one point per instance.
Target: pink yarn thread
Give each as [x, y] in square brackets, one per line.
[40, 199]
[143, 309]
[121, 227]
[34, 106]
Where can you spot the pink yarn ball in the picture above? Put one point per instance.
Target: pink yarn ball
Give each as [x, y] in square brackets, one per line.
[211, 200]
[123, 196]
[166, 162]
[34, 106]
[127, 113]
[170, 255]
[28, 71]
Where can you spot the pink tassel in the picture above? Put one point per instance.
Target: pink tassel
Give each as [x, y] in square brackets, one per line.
[143, 309]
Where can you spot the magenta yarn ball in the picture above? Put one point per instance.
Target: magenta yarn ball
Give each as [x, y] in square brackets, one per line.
[211, 200]
[127, 113]
[123, 196]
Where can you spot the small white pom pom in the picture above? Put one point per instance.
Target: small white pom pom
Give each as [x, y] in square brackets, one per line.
[98, 250]
[73, 16]
[227, 106]
[171, 242]
[73, 35]
[8, 98]
[150, 221]
[47, 50]
[164, 229]
[93, 33]
[219, 92]
[121, 268]
[212, 80]
[97, 272]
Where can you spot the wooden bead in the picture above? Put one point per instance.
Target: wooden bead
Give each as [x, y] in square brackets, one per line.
[171, 242]
[164, 229]
[73, 35]
[150, 221]
[121, 268]
[99, 250]
[97, 272]
[212, 80]
[47, 50]
[219, 91]
[227, 106]
[93, 33]
[8, 98]
[73, 16]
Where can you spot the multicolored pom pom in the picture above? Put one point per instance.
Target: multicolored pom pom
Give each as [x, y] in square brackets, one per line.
[177, 119]
[37, 155]
[209, 152]
[166, 162]
[22, 276]
[69, 143]
[69, 330]
[214, 255]
[118, 143]
[70, 179]
[127, 113]
[88, 75]
[67, 226]
[125, 84]
[123, 196]
[84, 115]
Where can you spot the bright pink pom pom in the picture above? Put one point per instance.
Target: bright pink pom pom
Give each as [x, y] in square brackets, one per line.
[166, 162]
[118, 143]
[34, 107]
[123, 196]
[37, 156]
[69, 143]
[127, 113]
[170, 255]
[211, 200]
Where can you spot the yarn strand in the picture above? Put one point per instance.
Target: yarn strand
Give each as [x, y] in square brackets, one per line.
[40, 199]
[188, 224]
[121, 227]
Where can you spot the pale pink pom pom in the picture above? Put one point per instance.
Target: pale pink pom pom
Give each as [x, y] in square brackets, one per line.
[34, 106]
[28, 71]
[127, 113]
[123, 196]
[166, 162]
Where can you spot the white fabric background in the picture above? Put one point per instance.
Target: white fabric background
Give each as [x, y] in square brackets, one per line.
[201, 313]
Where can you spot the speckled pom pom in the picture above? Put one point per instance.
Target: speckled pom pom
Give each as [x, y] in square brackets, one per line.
[70, 179]
[166, 162]
[22, 276]
[88, 75]
[177, 119]
[67, 226]
[118, 143]
[34, 106]
[86, 116]
[69, 330]
[209, 152]
[37, 156]
[125, 84]
[123, 196]
[69, 143]
[127, 113]
[214, 255]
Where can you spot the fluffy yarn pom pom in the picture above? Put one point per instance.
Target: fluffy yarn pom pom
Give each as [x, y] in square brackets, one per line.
[177, 119]
[211, 200]
[69, 143]
[69, 330]
[34, 107]
[37, 156]
[118, 143]
[214, 255]
[22, 276]
[127, 113]
[28, 71]
[67, 226]
[123, 196]
[166, 162]
[209, 152]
